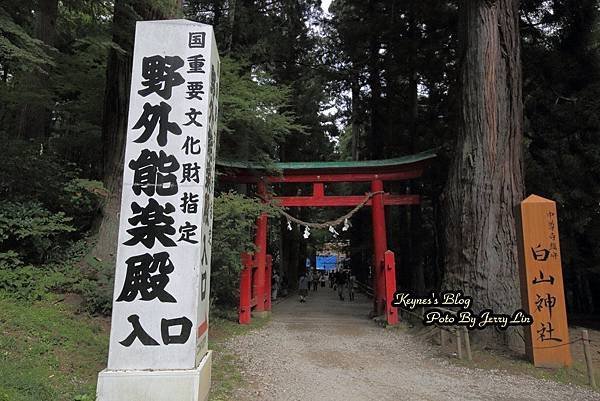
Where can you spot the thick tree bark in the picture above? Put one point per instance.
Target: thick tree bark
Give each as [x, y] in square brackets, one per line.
[486, 180]
[116, 104]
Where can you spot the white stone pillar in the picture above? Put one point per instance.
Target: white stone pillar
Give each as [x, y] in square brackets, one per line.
[159, 335]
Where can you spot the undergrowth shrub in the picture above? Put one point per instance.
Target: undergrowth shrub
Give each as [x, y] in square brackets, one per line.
[234, 219]
[46, 212]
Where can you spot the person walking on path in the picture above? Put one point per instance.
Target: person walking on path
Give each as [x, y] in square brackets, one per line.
[315, 280]
[351, 281]
[322, 280]
[340, 283]
[303, 287]
[275, 283]
[283, 288]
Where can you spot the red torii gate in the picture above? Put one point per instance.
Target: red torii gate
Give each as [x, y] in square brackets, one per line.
[255, 283]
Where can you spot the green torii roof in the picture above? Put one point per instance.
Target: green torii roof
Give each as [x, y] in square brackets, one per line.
[398, 161]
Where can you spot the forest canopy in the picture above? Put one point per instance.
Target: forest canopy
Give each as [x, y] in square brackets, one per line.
[363, 80]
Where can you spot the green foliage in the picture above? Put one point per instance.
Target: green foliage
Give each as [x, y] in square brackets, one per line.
[95, 284]
[80, 200]
[92, 280]
[45, 208]
[85, 397]
[234, 219]
[51, 88]
[29, 282]
[44, 205]
[18, 50]
[252, 121]
[47, 352]
[561, 63]
[283, 64]
[32, 172]
[37, 282]
[271, 94]
[31, 231]
[78, 85]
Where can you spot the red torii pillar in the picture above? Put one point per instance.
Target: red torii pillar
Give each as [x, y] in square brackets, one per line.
[245, 307]
[379, 246]
[391, 313]
[268, 288]
[261, 259]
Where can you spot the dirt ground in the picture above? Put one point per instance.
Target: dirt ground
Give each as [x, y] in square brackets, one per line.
[329, 350]
[577, 348]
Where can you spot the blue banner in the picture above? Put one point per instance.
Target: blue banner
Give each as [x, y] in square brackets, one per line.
[327, 262]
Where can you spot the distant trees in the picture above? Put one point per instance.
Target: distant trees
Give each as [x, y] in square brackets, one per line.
[372, 79]
[561, 85]
[52, 59]
[390, 56]
[276, 44]
[393, 68]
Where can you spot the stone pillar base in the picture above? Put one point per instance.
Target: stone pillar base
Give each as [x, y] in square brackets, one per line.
[156, 385]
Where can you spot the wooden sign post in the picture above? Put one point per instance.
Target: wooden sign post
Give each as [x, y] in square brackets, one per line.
[542, 292]
[159, 333]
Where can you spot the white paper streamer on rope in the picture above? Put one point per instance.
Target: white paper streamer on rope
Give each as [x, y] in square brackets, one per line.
[289, 226]
[347, 225]
[326, 224]
[332, 230]
[306, 232]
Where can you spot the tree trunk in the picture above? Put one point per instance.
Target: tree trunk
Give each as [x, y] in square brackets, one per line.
[414, 37]
[46, 23]
[355, 115]
[376, 140]
[292, 251]
[217, 14]
[485, 179]
[116, 103]
[232, 26]
[34, 119]
[415, 251]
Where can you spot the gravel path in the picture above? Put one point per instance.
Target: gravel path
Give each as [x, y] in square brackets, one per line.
[328, 350]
